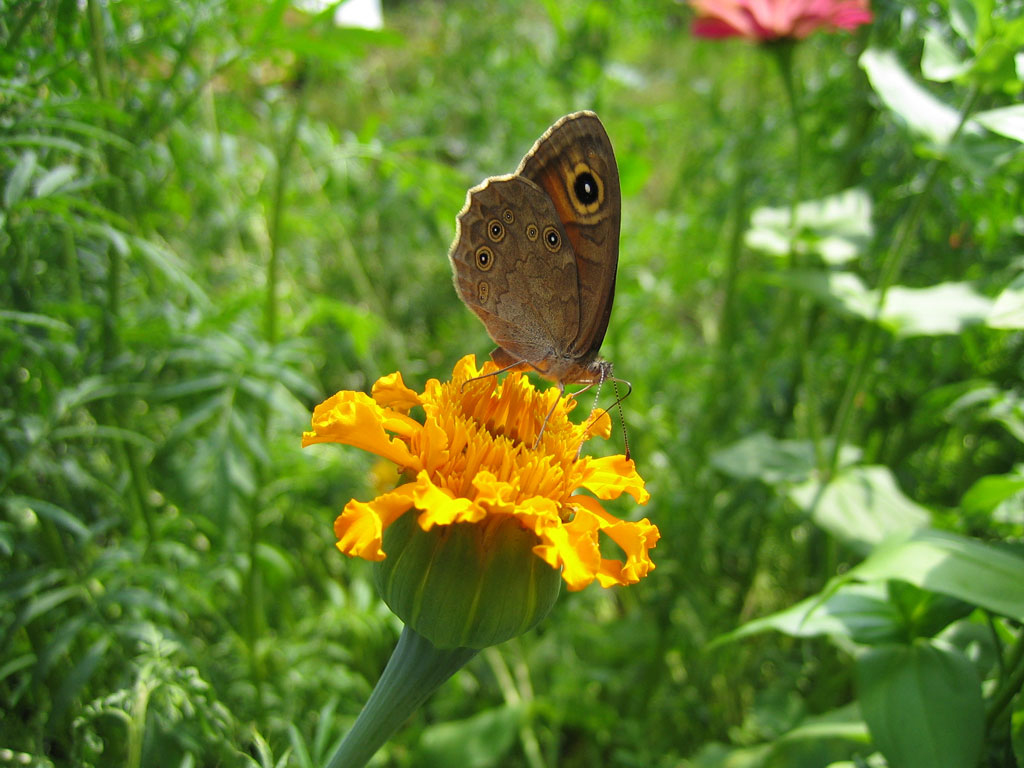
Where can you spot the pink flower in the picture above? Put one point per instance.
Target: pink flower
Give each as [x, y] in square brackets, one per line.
[762, 20]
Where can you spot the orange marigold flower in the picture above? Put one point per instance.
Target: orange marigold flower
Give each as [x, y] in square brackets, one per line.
[473, 457]
[762, 20]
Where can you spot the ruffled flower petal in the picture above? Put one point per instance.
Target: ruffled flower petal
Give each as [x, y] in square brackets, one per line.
[440, 507]
[635, 539]
[390, 391]
[611, 476]
[360, 527]
[355, 419]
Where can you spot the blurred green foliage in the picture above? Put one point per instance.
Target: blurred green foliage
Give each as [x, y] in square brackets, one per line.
[215, 214]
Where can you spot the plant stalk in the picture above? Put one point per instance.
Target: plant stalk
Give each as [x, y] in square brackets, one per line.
[416, 669]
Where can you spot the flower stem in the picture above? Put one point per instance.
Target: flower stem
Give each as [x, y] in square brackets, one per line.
[783, 52]
[416, 669]
[890, 269]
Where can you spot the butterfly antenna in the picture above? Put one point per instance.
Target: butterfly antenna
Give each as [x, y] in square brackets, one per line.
[622, 418]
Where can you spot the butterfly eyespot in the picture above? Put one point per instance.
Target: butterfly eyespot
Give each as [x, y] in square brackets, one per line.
[508, 216]
[532, 233]
[484, 258]
[587, 188]
[552, 239]
[483, 291]
[495, 230]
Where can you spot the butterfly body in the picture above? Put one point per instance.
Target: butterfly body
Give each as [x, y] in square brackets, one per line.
[536, 251]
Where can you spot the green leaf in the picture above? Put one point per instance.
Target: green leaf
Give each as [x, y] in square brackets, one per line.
[19, 178]
[923, 705]
[939, 62]
[861, 506]
[991, 491]
[862, 613]
[967, 569]
[54, 179]
[52, 512]
[762, 457]
[1008, 309]
[1006, 121]
[923, 114]
[837, 227]
[480, 741]
[939, 309]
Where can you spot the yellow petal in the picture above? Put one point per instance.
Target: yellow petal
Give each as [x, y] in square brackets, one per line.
[573, 549]
[611, 476]
[355, 419]
[496, 494]
[390, 391]
[635, 539]
[439, 507]
[360, 527]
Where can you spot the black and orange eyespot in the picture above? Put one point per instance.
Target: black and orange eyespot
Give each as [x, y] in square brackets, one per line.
[552, 239]
[484, 258]
[586, 187]
[495, 230]
[532, 233]
[508, 216]
[483, 291]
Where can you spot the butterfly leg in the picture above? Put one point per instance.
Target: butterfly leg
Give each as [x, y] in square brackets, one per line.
[540, 434]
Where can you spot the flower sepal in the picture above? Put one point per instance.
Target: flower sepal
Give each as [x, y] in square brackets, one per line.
[465, 585]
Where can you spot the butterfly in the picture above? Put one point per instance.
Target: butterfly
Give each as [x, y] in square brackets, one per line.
[535, 254]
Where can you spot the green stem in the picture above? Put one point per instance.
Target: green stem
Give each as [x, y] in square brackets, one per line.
[891, 266]
[719, 397]
[284, 158]
[784, 51]
[1009, 687]
[517, 697]
[416, 669]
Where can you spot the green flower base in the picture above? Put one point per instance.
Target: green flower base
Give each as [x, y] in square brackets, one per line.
[467, 585]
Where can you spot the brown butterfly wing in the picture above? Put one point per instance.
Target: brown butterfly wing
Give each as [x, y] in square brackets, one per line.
[575, 164]
[514, 267]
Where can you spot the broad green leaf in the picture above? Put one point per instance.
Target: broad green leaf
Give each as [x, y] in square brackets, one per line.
[963, 17]
[925, 613]
[844, 722]
[939, 309]
[861, 506]
[837, 227]
[1008, 309]
[924, 114]
[1006, 121]
[843, 291]
[816, 741]
[762, 457]
[862, 613]
[923, 705]
[970, 570]
[480, 741]
[939, 62]
[991, 491]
